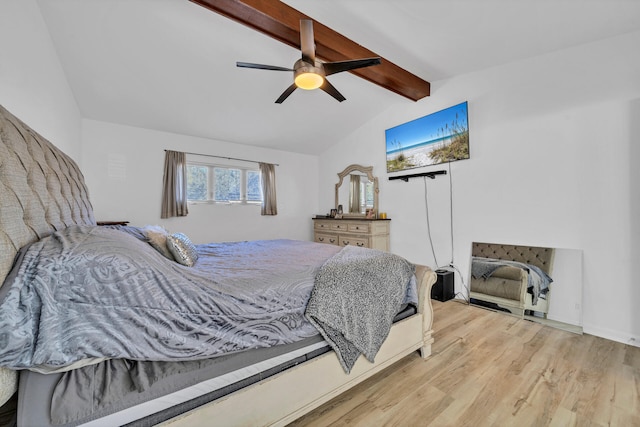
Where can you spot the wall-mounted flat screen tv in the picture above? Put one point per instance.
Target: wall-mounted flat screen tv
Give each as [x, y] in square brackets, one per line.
[437, 138]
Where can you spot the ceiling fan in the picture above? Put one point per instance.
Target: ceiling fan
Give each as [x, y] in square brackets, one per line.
[308, 72]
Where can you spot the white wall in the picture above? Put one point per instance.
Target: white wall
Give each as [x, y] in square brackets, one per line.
[123, 168]
[552, 141]
[33, 85]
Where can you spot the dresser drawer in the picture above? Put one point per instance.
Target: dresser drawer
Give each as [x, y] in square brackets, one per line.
[354, 241]
[318, 225]
[326, 238]
[358, 227]
[339, 226]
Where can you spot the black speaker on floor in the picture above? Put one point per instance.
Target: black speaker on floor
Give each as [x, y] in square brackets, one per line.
[442, 290]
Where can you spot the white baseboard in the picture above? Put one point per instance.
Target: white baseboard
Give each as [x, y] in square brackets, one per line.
[621, 337]
[572, 322]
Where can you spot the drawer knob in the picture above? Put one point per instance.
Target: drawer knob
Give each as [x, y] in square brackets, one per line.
[321, 239]
[360, 244]
[345, 242]
[332, 240]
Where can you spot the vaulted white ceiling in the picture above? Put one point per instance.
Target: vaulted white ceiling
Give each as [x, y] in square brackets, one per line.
[170, 64]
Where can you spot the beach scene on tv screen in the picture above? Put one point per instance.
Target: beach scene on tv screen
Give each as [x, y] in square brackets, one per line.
[437, 138]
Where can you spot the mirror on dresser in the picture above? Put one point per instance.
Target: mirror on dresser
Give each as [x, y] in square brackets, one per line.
[507, 287]
[354, 227]
[357, 190]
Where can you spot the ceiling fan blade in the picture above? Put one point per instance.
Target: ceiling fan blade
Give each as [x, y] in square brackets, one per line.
[337, 67]
[331, 90]
[286, 93]
[307, 44]
[262, 66]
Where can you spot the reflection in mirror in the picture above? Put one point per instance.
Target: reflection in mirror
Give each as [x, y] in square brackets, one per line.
[350, 194]
[357, 190]
[360, 193]
[536, 283]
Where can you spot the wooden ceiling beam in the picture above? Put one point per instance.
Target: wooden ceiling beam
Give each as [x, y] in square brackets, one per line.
[282, 22]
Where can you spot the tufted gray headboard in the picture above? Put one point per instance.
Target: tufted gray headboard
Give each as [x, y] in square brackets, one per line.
[538, 256]
[41, 189]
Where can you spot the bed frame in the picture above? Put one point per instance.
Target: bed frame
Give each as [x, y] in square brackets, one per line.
[42, 190]
[281, 399]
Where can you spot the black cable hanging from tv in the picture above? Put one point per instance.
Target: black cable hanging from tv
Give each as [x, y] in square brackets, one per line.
[431, 175]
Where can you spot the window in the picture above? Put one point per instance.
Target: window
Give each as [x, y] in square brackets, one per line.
[225, 184]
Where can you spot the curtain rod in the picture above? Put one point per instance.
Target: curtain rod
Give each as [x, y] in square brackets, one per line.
[223, 157]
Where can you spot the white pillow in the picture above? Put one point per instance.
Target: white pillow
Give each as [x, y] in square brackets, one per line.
[157, 236]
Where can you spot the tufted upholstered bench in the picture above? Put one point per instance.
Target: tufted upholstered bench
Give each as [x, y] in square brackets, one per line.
[507, 286]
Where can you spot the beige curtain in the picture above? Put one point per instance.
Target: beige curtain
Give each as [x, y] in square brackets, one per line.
[174, 185]
[354, 199]
[268, 179]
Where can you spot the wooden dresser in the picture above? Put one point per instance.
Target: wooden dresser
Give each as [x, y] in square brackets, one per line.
[366, 233]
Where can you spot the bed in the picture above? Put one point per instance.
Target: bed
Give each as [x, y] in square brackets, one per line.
[511, 278]
[44, 200]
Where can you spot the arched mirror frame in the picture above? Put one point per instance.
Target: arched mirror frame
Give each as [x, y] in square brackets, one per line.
[368, 171]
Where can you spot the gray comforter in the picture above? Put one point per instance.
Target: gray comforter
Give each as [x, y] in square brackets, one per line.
[357, 293]
[85, 294]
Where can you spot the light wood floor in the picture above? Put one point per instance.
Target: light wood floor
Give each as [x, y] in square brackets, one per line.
[490, 369]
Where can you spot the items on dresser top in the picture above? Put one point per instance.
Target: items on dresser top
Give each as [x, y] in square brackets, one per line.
[366, 233]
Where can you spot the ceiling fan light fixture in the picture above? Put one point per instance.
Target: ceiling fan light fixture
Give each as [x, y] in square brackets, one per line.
[309, 81]
[308, 72]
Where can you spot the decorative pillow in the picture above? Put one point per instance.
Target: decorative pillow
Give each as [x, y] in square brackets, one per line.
[157, 236]
[182, 249]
